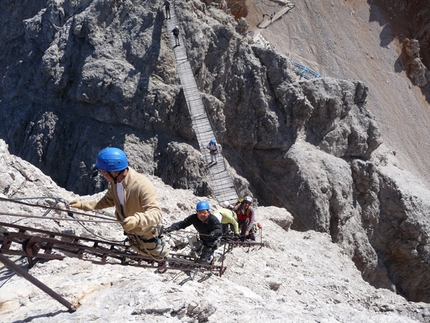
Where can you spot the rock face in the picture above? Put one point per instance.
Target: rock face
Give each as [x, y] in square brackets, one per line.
[83, 72]
[296, 277]
[416, 16]
[82, 75]
[183, 167]
[418, 72]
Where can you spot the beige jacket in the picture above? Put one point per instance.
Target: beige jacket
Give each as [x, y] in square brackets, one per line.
[140, 198]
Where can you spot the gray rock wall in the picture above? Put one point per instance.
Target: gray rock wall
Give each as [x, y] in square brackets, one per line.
[81, 75]
[308, 146]
[413, 18]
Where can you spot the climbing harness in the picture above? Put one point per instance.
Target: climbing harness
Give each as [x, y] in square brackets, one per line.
[134, 240]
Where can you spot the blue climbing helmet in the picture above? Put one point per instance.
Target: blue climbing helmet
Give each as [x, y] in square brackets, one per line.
[212, 142]
[202, 205]
[111, 160]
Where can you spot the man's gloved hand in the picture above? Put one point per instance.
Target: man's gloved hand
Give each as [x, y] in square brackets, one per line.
[167, 230]
[75, 204]
[130, 222]
[215, 234]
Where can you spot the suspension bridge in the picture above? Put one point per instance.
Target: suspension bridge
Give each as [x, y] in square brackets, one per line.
[221, 181]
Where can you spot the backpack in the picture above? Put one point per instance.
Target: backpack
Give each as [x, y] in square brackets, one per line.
[239, 201]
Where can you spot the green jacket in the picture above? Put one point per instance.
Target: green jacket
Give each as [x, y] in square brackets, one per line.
[140, 198]
[229, 217]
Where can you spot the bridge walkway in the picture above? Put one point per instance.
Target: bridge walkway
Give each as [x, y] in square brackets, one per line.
[221, 181]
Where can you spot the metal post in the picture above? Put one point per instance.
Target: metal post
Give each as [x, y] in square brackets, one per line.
[222, 262]
[36, 282]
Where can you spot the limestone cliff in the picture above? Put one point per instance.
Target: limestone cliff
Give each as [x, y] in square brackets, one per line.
[78, 76]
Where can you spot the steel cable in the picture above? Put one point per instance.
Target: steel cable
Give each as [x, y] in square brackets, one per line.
[18, 201]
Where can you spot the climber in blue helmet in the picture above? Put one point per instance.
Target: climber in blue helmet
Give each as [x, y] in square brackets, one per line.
[135, 200]
[111, 163]
[213, 150]
[208, 227]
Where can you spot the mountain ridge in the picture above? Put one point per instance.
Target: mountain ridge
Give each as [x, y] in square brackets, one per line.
[84, 81]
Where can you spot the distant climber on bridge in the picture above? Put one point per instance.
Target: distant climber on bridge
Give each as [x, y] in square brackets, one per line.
[213, 150]
[166, 5]
[175, 32]
[135, 201]
[228, 219]
[208, 227]
[245, 217]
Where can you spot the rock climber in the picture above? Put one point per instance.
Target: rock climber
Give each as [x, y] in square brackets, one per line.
[208, 227]
[245, 217]
[135, 201]
[175, 32]
[213, 150]
[228, 219]
[166, 5]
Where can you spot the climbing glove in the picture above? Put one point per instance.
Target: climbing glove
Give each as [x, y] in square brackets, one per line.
[167, 230]
[130, 222]
[76, 204]
[215, 234]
